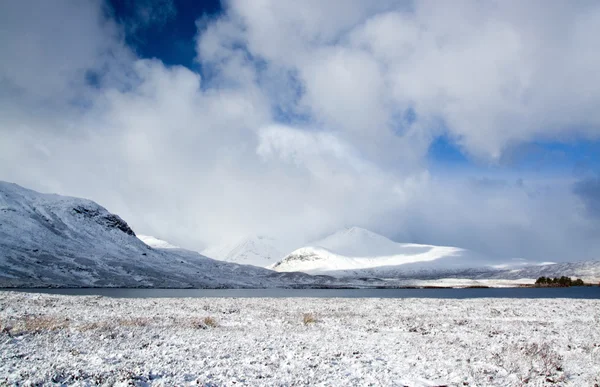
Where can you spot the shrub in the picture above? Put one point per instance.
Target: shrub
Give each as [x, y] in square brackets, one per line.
[531, 363]
[578, 282]
[205, 323]
[210, 322]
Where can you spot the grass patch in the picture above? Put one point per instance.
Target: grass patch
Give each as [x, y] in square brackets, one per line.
[308, 318]
[205, 323]
[34, 324]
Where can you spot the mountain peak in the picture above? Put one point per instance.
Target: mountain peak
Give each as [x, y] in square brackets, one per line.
[358, 230]
[357, 241]
[257, 250]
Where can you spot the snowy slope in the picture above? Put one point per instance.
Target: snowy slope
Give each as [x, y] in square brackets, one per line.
[359, 252]
[588, 271]
[259, 251]
[52, 240]
[156, 243]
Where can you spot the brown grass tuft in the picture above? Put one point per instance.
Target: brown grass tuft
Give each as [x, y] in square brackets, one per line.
[35, 324]
[210, 322]
[308, 318]
[204, 323]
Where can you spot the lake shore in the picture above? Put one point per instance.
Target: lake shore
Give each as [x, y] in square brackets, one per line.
[267, 341]
[374, 283]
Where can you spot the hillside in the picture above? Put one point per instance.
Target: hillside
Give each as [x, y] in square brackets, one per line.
[53, 240]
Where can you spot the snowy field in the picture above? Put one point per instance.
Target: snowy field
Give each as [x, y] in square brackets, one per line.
[48, 339]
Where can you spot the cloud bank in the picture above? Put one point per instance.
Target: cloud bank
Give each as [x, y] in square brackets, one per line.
[311, 116]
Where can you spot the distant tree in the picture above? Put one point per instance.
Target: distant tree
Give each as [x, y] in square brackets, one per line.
[563, 281]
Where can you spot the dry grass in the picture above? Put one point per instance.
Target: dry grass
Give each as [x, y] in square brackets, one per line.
[135, 322]
[210, 322]
[34, 324]
[205, 323]
[309, 318]
[93, 326]
[530, 361]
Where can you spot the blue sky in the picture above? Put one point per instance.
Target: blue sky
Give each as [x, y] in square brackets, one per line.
[472, 124]
[171, 38]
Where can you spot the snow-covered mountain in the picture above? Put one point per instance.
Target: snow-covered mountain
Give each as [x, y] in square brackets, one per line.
[53, 240]
[259, 251]
[358, 252]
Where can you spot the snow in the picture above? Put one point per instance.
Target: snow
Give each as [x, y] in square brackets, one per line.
[468, 282]
[360, 242]
[66, 340]
[355, 252]
[156, 243]
[588, 271]
[259, 251]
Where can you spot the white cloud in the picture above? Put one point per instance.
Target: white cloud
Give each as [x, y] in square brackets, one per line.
[299, 126]
[496, 72]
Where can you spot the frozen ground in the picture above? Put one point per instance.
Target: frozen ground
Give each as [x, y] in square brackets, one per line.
[224, 341]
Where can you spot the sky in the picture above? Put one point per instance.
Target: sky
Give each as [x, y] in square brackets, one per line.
[465, 123]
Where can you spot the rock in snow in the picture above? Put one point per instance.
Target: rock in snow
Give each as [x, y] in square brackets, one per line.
[53, 240]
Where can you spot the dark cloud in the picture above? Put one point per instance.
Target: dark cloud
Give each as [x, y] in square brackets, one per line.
[588, 191]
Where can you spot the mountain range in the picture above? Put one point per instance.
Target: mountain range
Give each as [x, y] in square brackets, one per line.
[59, 241]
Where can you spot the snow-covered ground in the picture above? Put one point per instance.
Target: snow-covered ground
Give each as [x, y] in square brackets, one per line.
[264, 342]
[466, 282]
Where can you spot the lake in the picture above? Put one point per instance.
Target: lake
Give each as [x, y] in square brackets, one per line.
[573, 292]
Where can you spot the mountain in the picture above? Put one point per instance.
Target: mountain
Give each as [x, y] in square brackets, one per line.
[259, 251]
[356, 252]
[53, 240]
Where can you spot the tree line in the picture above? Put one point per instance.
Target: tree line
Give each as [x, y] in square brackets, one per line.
[558, 282]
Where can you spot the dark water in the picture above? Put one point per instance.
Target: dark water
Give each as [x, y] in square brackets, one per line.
[574, 292]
